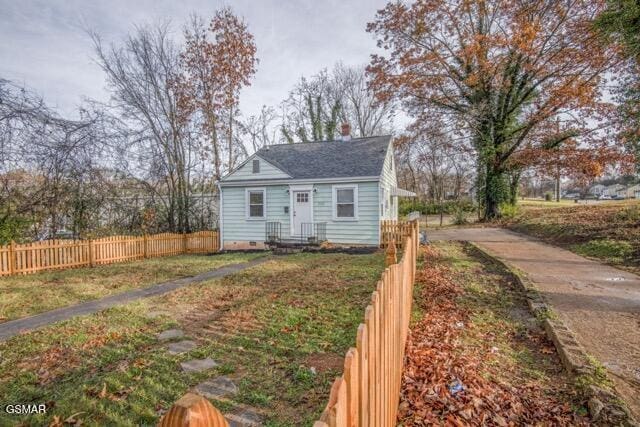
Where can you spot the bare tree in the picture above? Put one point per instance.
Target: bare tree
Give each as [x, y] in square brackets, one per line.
[141, 76]
[316, 106]
[360, 108]
[259, 128]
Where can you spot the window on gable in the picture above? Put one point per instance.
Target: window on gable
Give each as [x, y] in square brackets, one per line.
[256, 166]
[345, 199]
[255, 199]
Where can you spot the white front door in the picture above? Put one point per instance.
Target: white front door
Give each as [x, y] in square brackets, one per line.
[301, 212]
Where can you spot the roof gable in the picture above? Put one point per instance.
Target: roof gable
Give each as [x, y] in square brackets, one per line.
[266, 170]
[358, 157]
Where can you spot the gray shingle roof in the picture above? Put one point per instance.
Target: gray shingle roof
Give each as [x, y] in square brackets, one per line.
[329, 159]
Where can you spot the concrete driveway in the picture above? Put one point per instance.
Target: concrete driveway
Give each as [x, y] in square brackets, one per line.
[599, 303]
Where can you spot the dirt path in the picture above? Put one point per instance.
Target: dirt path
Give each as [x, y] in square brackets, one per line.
[600, 304]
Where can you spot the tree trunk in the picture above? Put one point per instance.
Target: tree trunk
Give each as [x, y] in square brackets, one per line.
[495, 192]
[514, 181]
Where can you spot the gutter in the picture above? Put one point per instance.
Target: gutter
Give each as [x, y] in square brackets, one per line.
[281, 181]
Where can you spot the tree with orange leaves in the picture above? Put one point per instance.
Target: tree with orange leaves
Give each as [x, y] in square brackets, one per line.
[570, 160]
[217, 62]
[499, 71]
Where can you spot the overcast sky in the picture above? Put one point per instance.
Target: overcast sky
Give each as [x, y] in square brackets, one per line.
[44, 44]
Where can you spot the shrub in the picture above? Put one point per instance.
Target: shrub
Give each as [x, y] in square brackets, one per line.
[433, 208]
[548, 196]
[608, 249]
[459, 217]
[632, 213]
[509, 211]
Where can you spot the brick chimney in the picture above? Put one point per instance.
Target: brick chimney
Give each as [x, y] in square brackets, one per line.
[345, 132]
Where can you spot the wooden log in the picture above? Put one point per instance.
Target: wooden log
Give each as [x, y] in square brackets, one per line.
[193, 410]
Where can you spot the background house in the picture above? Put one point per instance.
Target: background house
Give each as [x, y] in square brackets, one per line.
[346, 187]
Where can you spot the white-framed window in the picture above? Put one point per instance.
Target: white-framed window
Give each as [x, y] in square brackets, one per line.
[256, 166]
[302, 197]
[345, 202]
[256, 203]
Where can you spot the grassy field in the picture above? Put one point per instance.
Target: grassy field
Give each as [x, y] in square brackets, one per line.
[607, 231]
[478, 334]
[31, 294]
[279, 330]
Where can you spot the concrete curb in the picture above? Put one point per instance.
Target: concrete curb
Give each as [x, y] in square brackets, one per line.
[605, 408]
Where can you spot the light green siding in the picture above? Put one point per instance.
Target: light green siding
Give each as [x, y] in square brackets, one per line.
[236, 227]
[365, 230]
[267, 171]
[388, 181]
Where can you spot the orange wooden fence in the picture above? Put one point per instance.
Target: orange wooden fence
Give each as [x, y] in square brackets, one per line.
[368, 392]
[397, 231]
[62, 254]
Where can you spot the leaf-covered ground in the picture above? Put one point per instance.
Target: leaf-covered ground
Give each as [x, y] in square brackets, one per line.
[477, 357]
[31, 294]
[279, 330]
[608, 231]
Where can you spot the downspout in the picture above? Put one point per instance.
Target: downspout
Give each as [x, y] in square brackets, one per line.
[220, 215]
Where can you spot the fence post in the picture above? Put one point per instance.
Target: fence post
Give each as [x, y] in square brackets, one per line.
[184, 243]
[193, 411]
[144, 246]
[12, 257]
[92, 254]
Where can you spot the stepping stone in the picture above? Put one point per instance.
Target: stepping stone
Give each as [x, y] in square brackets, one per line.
[170, 334]
[217, 388]
[198, 365]
[244, 418]
[181, 346]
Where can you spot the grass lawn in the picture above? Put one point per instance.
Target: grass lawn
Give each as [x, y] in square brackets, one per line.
[607, 231]
[279, 330]
[478, 335]
[31, 294]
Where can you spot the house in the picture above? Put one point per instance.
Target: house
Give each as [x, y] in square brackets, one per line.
[612, 190]
[338, 191]
[633, 192]
[597, 190]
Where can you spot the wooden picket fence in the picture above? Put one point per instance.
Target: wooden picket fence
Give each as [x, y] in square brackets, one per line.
[368, 392]
[396, 231]
[62, 254]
